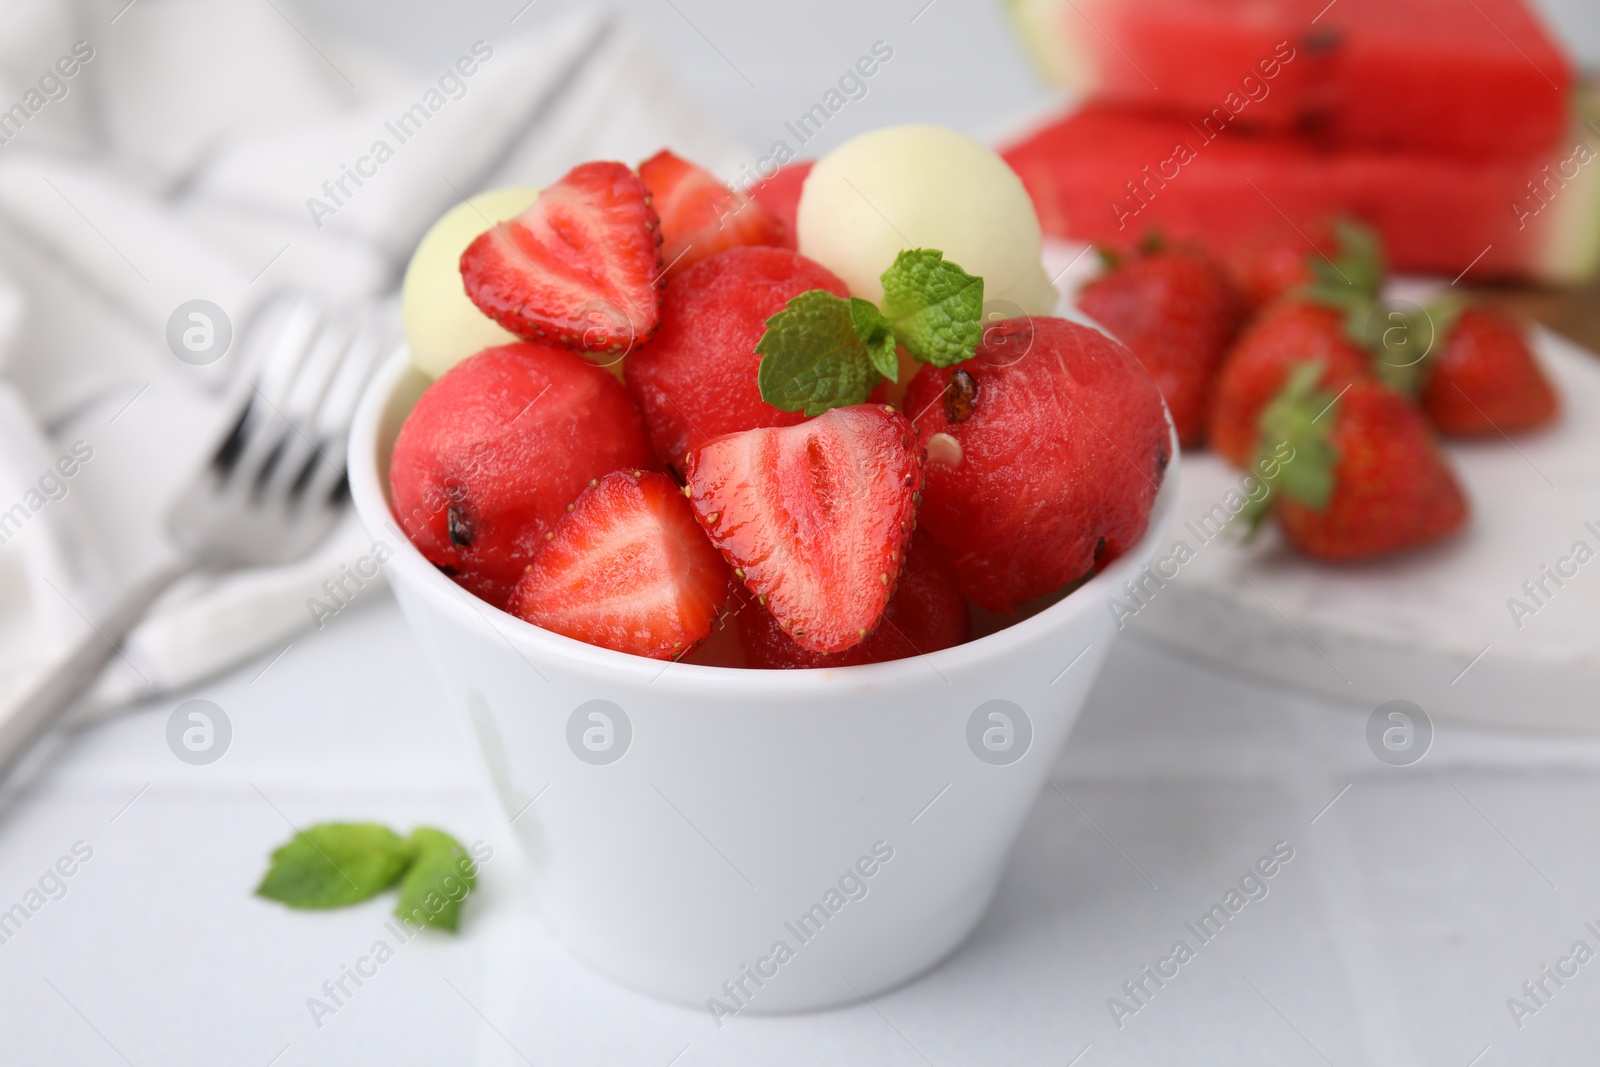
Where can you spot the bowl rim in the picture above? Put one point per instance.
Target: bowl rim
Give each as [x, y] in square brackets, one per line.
[370, 495]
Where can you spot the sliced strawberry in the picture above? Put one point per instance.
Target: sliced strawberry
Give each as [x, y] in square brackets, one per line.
[700, 216]
[626, 569]
[581, 267]
[781, 195]
[815, 517]
[925, 614]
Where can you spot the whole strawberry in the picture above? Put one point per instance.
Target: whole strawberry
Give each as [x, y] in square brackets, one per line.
[1484, 380]
[1288, 333]
[1341, 253]
[1045, 453]
[1363, 476]
[1177, 311]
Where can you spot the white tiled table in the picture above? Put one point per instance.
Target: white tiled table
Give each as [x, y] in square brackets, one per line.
[1413, 907]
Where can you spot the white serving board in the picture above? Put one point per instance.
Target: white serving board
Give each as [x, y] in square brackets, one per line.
[1432, 626]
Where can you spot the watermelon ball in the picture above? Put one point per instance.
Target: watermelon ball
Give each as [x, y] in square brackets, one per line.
[1040, 468]
[697, 379]
[496, 450]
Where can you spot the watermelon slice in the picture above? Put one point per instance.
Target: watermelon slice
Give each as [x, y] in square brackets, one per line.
[1480, 78]
[1110, 175]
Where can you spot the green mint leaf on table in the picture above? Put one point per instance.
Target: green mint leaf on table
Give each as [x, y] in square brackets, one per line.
[813, 356]
[936, 308]
[335, 864]
[440, 878]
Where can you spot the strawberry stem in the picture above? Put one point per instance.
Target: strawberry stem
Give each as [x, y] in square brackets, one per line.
[1294, 453]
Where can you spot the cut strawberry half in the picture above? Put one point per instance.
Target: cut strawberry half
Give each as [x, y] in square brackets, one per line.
[814, 518]
[626, 569]
[700, 216]
[580, 267]
[780, 194]
[926, 613]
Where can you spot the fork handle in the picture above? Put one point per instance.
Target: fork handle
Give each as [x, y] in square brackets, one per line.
[30, 711]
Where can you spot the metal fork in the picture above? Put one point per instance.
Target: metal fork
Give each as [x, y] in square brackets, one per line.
[271, 492]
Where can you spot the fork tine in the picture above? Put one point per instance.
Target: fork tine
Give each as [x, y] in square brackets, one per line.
[301, 450]
[374, 339]
[263, 426]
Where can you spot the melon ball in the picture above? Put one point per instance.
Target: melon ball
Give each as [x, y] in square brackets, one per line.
[443, 326]
[923, 187]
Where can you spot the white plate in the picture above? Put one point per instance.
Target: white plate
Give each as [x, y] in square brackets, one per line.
[1434, 626]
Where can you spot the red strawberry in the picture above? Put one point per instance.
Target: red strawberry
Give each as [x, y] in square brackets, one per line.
[1270, 268]
[1045, 451]
[1485, 379]
[700, 216]
[494, 451]
[1341, 253]
[814, 518]
[925, 614]
[697, 379]
[1257, 368]
[1365, 477]
[581, 267]
[1177, 311]
[780, 194]
[627, 569]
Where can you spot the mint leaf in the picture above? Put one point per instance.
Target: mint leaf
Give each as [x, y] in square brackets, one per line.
[335, 864]
[440, 878]
[877, 334]
[813, 357]
[935, 307]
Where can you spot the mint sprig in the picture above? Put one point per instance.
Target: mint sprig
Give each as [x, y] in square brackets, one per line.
[813, 356]
[823, 351]
[935, 306]
[877, 333]
[333, 865]
[336, 864]
[440, 878]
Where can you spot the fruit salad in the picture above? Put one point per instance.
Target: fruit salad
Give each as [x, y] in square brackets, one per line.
[825, 416]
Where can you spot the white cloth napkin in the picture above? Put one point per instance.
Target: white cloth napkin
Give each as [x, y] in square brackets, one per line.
[202, 149]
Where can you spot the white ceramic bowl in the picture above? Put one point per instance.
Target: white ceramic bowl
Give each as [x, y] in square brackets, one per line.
[692, 819]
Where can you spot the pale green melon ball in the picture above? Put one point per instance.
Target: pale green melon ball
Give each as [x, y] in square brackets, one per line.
[923, 187]
[444, 327]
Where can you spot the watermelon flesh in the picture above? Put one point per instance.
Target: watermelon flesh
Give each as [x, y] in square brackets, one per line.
[1110, 174]
[1481, 79]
